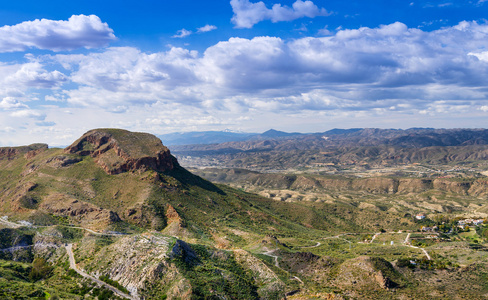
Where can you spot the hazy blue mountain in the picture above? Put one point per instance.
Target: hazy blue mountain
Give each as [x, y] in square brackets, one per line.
[204, 137]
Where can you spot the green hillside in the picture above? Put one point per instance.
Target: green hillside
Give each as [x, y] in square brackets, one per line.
[143, 224]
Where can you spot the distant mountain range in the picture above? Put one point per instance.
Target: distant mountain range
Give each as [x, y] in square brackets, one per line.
[216, 137]
[413, 137]
[278, 150]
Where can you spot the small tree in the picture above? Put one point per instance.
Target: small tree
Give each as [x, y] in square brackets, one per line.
[40, 269]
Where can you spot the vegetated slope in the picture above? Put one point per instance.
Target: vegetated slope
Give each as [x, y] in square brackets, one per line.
[237, 245]
[104, 182]
[345, 147]
[112, 179]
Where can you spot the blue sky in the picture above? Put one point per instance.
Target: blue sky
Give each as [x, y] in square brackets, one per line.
[173, 66]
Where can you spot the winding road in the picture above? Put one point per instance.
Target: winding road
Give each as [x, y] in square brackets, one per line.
[314, 246]
[72, 265]
[268, 253]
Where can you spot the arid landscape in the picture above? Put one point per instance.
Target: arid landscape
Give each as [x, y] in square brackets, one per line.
[243, 149]
[114, 215]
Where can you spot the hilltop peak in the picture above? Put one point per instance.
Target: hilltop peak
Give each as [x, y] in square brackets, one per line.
[118, 150]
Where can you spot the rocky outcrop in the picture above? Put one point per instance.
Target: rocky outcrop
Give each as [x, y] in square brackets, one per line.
[376, 185]
[452, 186]
[184, 252]
[368, 272]
[479, 188]
[414, 185]
[30, 151]
[175, 224]
[62, 161]
[89, 215]
[140, 263]
[118, 151]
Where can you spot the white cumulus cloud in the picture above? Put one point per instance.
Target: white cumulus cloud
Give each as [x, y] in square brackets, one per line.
[207, 28]
[33, 74]
[390, 73]
[9, 103]
[182, 33]
[247, 14]
[79, 31]
[483, 56]
[28, 113]
[364, 68]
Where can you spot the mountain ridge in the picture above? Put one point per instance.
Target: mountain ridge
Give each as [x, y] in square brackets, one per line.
[369, 146]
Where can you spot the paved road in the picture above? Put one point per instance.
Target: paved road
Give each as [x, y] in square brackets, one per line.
[72, 265]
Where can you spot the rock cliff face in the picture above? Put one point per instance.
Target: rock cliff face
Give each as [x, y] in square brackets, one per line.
[29, 151]
[118, 151]
[140, 263]
[87, 214]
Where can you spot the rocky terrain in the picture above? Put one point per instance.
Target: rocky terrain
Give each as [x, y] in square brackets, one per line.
[118, 151]
[338, 148]
[129, 215]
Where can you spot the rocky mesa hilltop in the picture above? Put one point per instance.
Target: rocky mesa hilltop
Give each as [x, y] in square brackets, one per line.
[118, 151]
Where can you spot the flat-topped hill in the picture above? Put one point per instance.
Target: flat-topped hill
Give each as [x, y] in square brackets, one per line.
[118, 150]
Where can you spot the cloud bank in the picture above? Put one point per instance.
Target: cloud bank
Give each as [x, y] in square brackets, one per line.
[79, 31]
[247, 14]
[390, 63]
[390, 73]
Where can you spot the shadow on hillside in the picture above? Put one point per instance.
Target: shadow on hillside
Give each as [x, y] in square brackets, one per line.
[188, 178]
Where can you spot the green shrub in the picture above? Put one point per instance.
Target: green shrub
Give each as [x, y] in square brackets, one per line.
[40, 269]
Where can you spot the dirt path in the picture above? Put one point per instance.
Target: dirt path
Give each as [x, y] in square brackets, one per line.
[4, 221]
[296, 278]
[314, 246]
[407, 243]
[97, 233]
[277, 264]
[407, 239]
[423, 250]
[374, 237]
[268, 253]
[72, 265]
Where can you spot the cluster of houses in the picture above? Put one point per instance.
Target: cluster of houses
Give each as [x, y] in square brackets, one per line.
[463, 223]
[429, 229]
